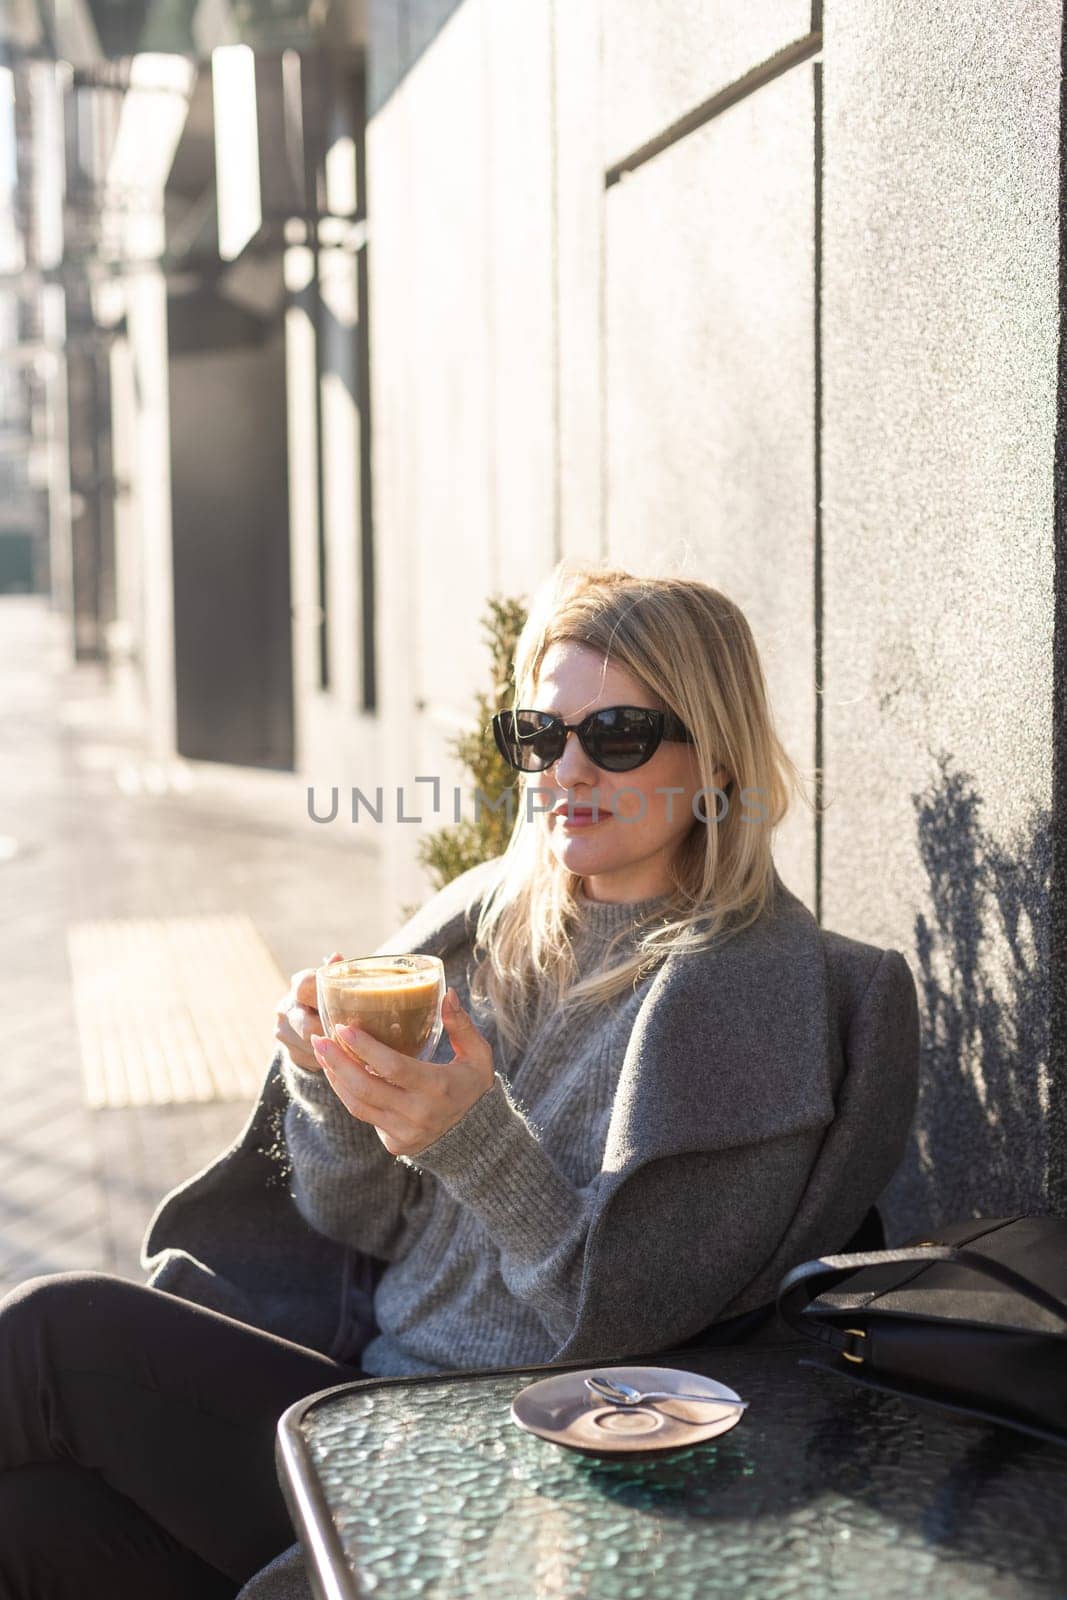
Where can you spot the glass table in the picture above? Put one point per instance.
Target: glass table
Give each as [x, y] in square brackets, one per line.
[424, 1489]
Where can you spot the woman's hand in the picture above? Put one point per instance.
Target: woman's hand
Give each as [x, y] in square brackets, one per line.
[297, 1017]
[411, 1103]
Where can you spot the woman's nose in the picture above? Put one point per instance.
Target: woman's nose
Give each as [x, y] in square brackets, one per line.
[574, 767]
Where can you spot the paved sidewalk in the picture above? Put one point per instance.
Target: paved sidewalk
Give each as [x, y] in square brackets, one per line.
[92, 832]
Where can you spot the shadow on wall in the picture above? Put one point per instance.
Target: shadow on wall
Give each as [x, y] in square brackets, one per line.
[980, 1145]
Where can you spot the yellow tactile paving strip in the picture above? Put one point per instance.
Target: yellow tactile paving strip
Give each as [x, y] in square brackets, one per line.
[174, 1009]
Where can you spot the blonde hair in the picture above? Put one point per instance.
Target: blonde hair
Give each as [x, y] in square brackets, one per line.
[691, 647]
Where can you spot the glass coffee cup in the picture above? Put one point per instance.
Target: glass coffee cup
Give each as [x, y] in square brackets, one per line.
[396, 999]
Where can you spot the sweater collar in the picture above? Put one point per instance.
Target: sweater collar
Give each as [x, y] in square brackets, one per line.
[606, 917]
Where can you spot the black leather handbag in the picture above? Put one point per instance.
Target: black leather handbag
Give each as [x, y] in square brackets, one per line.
[972, 1320]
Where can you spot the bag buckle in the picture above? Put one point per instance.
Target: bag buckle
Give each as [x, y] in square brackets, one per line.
[860, 1333]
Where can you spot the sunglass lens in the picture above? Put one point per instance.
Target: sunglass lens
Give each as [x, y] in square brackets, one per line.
[527, 740]
[621, 738]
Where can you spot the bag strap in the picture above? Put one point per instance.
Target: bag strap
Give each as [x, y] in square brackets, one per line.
[796, 1288]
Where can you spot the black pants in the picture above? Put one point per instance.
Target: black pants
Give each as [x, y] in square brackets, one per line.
[137, 1442]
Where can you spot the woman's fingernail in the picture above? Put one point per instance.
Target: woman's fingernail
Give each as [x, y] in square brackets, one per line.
[350, 1034]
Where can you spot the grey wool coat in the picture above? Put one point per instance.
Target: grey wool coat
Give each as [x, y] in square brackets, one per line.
[763, 1104]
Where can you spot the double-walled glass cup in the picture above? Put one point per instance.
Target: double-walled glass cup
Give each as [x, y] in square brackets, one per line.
[396, 999]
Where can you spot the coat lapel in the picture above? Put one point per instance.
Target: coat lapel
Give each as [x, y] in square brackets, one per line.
[729, 1047]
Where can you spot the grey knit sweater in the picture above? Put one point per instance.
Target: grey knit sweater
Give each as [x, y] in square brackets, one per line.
[483, 1230]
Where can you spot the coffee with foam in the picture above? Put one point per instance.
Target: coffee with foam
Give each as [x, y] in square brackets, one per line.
[396, 999]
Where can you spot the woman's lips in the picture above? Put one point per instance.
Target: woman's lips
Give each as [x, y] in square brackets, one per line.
[581, 819]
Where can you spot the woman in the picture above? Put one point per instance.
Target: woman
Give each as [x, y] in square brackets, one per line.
[644, 1120]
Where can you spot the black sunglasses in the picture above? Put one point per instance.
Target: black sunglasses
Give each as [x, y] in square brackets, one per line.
[617, 738]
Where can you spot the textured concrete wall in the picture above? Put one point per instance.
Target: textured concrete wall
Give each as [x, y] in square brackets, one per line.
[430, 397]
[709, 404]
[662, 57]
[461, 161]
[940, 329]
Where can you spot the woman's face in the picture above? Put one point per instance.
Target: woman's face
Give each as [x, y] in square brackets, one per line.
[623, 856]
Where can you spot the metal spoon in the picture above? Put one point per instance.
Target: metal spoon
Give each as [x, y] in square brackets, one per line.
[624, 1394]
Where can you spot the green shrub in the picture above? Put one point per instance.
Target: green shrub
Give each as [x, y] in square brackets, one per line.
[453, 849]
